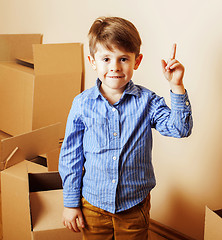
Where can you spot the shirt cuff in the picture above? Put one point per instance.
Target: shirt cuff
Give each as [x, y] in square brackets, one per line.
[71, 199]
[180, 101]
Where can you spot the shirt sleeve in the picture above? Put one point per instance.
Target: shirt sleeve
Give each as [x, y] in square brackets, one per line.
[71, 158]
[175, 122]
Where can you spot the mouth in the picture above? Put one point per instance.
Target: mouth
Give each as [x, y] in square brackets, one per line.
[115, 77]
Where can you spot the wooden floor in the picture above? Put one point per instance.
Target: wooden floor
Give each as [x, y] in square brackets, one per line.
[155, 236]
[152, 236]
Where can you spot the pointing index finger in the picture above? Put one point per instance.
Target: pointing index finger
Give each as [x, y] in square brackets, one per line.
[173, 52]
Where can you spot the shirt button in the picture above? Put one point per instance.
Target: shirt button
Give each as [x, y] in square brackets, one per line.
[114, 158]
[114, 134]
[113, 181]
[187, 103]
[113, 109]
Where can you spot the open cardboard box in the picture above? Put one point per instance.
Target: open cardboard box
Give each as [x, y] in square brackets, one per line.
[213, 224]
[31, 191]
[36, 215]
[40, 146]
[37, 82]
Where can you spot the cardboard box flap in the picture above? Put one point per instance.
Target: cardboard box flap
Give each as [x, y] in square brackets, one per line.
[53, 159]
[51, 59]
[29, 145]
[216, 214]
[34, 168]
[213, 224]
[22, 169]
[14, 68]
[17, 45]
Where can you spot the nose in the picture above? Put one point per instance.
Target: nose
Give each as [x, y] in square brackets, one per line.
[115, 67]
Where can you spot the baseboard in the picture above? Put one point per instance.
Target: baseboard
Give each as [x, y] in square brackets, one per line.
[167, 232]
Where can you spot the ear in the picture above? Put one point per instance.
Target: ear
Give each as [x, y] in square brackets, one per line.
[92, 62]
[138, 61]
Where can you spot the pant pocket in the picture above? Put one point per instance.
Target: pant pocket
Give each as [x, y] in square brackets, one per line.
[144, 210]
[145, 215]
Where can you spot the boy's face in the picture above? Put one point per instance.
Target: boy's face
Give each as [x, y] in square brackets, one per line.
[114, 68]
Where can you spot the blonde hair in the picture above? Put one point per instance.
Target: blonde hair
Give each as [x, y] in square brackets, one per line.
[114, 31]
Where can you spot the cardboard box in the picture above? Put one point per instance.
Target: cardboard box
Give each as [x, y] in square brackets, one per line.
[38, 194]
[40, 146]
[213, 224]
[37, 82]
[31, 145]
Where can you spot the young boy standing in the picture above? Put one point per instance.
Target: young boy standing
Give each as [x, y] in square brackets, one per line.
[109, 134]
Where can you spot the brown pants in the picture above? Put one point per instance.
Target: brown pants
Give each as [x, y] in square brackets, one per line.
[131, 224]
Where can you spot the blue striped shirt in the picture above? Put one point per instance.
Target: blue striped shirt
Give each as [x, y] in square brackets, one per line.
[113, 144]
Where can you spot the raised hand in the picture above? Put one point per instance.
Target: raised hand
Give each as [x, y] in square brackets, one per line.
[173, 71]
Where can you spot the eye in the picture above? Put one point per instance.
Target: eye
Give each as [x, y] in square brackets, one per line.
[123, 59]
[105, 59]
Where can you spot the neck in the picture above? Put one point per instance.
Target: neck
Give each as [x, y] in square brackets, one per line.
[112, 96]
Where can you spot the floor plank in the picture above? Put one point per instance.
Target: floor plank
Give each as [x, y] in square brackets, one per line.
[155, 236]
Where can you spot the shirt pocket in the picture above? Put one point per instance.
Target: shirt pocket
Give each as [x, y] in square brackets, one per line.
[96, 134]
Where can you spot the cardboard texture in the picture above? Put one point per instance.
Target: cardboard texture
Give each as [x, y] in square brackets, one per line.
[4, 135]
[38, 194]
[213, 224]
[30, 145]
[34, 98]
[18, 45]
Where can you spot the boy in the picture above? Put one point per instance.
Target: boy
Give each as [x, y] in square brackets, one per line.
[109, 134]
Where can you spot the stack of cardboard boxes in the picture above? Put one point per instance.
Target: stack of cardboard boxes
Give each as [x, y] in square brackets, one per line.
[37, 85]
[31, 188]
[37, 82]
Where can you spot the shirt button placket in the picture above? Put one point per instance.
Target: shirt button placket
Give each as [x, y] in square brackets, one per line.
[116, 120]
[116, 139]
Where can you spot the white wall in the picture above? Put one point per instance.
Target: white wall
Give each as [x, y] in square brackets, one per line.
[188, 170]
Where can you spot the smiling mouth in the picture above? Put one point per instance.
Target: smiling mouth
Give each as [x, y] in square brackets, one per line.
[115, 76]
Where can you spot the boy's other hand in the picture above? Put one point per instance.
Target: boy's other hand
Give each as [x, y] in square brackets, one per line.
[173, 71]
[73, 219]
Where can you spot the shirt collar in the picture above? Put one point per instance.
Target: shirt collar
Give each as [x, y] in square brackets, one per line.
[131, 89]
